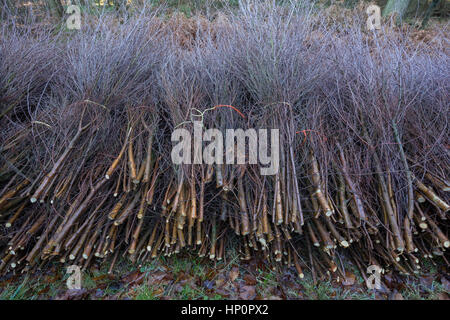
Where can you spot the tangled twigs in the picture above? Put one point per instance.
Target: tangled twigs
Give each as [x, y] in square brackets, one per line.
[86, 167]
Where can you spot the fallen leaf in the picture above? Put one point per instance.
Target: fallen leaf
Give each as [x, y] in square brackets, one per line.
[73, 295]
[162, 277]
[289, 281]
[224, 293]
[45, 290]
[445, 283]
[52, 279]
[247, 293]
[396, 296]
[211, 274]
[443, 296]
[103, 277]
[349, 279]
[426, 281]
[380, 296]
[134, 278]
[234, 273]
[278, 291]
[208, 284]
[220, 282]
[180, 277]
[273, 298]
[250, 280]
[158, 292]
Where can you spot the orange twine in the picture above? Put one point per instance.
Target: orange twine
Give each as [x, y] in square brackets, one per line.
[309, 130]
[229, 106]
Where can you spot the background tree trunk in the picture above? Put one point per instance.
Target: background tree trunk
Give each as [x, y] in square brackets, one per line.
[56, 8]
[429, 11]
[398, 6]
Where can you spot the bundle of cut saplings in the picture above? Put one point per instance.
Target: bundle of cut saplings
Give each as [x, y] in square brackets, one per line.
[87, 173]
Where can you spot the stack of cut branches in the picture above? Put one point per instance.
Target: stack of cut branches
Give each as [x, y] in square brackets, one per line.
[86, 170]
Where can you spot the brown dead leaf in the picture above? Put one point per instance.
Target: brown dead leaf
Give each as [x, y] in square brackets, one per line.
[234, 274]
[45, 290]
[162, 277]
[289, 281]
[380, 296]
[349, 279]
[224, 293]
[426, 281]
[158, 292]
[103, 277]
[5, 280]
[211, 274]
[445, 283]
[250, 280]
[247, 293]
[443, 296]
[74, 295]
[396, 296]
[220, 282]
[52, 279]
[392, 282]
[134, 278]
[278, 291]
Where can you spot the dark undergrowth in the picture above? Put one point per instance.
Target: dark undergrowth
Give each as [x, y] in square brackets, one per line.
[187, 277]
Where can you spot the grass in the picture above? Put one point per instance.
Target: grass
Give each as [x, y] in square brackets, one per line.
[13, 292]
[186, 275]
[323, 290]
[27, 288]
[186, 7]
[417, 291]
[145, 293]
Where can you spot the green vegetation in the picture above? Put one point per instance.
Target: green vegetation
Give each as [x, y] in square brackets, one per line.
[191, 278]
